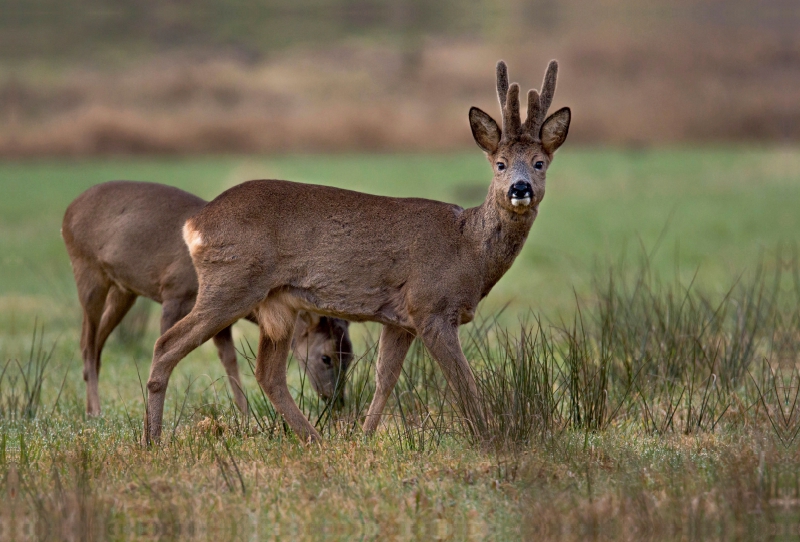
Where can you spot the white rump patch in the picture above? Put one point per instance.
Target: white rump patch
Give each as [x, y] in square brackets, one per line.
[516, 202]
[192, 238]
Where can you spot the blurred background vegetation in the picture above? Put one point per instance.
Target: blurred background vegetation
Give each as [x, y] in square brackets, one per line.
[104, 77]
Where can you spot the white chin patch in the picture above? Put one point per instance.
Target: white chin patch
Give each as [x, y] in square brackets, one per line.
[516, 202]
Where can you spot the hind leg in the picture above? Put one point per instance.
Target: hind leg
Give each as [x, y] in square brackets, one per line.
[176, 308]
[213, 312]
[118, 303]
[227, 354]
[92, 291]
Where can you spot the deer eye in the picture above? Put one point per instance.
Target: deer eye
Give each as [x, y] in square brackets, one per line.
[500, 166]
[539, 165]
[326, 360]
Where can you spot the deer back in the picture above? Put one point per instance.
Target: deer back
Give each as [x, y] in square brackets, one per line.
[132, 231]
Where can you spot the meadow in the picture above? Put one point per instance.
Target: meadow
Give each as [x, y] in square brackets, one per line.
[639, 359]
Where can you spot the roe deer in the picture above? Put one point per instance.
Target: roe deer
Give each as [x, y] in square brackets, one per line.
[124, 240]
[419, 267]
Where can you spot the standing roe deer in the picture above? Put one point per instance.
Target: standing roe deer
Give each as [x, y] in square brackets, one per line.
[124, 240]
[419, 267]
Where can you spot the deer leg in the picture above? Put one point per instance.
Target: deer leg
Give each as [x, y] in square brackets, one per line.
[276, 324]
[392, 349]
[92, 291]
[118, 303]
[175, 309]
[227, 354]
[441, 339]
[88, 334]
[208, 317]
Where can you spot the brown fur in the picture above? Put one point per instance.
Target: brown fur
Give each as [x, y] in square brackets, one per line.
[417, 266]
[124, 240]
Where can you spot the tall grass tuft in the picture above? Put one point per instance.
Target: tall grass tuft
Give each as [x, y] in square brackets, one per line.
[518, 379]
[21, 381]
[684, 353]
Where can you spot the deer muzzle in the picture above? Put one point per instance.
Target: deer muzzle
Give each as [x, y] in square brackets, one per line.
[520, 193]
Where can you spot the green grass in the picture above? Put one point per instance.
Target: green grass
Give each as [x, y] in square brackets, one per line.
[615, 446]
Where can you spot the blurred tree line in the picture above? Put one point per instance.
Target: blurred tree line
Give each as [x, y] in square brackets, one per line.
[55, 29]
[99, 76]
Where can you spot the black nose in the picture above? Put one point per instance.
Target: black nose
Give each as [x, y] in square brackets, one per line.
[521, 190]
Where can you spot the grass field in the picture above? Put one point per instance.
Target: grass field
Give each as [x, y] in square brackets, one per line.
[712, 216]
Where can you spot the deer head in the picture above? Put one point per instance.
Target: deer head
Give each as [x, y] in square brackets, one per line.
[521, 152]
[322, 347]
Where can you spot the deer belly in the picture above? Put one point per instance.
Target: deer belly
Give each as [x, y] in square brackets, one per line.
[357, 305]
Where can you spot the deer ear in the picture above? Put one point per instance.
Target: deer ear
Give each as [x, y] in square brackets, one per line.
[305, 321]
[554, 130]
[340, 325]
[484, 130]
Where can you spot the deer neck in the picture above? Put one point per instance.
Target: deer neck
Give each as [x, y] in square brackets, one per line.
[497, 236]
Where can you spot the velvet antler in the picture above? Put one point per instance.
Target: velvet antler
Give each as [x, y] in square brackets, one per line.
[509, 102]
[502, 83]
[538, 104]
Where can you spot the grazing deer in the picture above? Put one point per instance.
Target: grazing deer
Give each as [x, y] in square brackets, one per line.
[419, 267]
[124, 240]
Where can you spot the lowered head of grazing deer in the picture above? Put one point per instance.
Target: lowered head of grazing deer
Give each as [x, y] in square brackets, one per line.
[419, 267]
[322, 347]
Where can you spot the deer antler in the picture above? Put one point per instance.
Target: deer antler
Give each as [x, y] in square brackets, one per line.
[539, 104]
[509, 102]
[502, 83]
